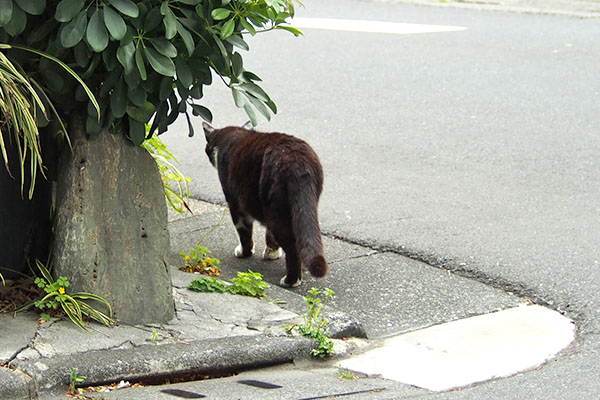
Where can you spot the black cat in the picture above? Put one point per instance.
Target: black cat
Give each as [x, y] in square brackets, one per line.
[275, 179]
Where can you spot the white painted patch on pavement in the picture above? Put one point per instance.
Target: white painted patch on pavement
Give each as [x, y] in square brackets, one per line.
[470, 350]
[353, 25]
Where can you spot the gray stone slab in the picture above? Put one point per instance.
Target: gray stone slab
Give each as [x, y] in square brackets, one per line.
[15, 333]
[15, 385]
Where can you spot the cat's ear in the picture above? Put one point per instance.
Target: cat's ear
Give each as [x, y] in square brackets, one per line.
[248, 125]
[209, 131]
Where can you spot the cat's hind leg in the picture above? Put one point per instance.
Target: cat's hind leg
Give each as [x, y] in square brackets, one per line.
[273, 251]
[293, 267]
[243, 224]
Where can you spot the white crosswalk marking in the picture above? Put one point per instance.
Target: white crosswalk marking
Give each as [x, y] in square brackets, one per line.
[353, 25]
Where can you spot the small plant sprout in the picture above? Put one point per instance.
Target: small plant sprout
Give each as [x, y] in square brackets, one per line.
[346, 374]
[314, 323]
[197, 260]
[75, 379]
[155, 336]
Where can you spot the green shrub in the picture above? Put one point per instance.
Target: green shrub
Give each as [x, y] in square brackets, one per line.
[141, 59]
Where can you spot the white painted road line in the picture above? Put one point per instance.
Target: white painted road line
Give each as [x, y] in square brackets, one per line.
[352, 25]
[470, 350]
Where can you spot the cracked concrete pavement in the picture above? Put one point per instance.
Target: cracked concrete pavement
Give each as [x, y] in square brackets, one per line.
[39, 356]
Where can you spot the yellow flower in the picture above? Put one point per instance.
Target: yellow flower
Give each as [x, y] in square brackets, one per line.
[207, 259]
[61, 290]
[187, 258]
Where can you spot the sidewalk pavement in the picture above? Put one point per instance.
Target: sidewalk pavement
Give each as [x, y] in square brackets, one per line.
[212, 335]
[574, 8]
[216, 335]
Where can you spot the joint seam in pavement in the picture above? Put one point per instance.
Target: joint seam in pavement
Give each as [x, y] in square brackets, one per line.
[460, 269]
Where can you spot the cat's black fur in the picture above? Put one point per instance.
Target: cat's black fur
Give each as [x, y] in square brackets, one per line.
[275, 179]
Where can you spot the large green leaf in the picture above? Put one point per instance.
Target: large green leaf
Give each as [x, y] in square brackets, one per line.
[170, 23]
[220, 13]
[114, 23]
[137, 131]
[237, 64]
[34, 7]
[227, 28]
[184, 73]
[143, 113]
[137, 96]
[166, 88]
[164, 47]
[251, 114]
[248, 26]
[126, 7]
[41, 31]
[139, 62]
[67, 9]
[153, 19]
[6, 10]
[238, 97]
[96, 34]
[17, 23]
[73, 32]
[126, 56]
[187, 38]
[92, 126]
[202, 111]
[161, 64]
[256, 91]
[237, 41]
[118, 100]
[259, 105]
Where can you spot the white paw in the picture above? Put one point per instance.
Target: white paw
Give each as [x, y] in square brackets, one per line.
[239, 251]
[284, 284]
[270, 254]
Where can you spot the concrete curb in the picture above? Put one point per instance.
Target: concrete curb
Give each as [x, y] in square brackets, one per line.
[211, 357]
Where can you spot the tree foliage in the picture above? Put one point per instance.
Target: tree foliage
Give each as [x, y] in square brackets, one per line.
[144, 61]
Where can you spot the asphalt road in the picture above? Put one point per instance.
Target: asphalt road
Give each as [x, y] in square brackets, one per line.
[475, 151]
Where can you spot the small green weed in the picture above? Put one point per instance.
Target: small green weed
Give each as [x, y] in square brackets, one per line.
[73, 305]
[208, 284]
[75, 379]
[45, 317]
[246, 284]
[314, 323]
[155, 336]
[346, 374]
[197, 260]
[249, 284]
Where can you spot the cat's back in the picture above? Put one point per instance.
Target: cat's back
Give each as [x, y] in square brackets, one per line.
[278, 150]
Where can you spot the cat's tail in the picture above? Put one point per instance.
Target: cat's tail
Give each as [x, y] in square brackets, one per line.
[305, 225]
